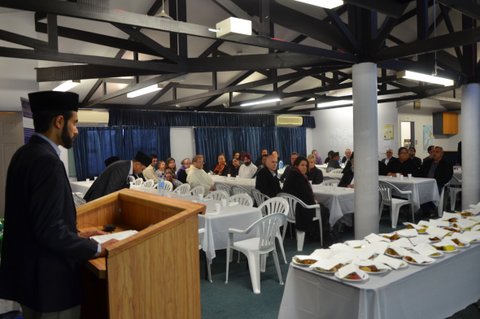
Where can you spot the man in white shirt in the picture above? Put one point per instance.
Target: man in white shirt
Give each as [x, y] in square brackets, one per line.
[196, 176]
[248, 169]
[388, 156]
[149, 172]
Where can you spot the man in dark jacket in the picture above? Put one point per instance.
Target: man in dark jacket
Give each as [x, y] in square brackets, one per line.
[267, 181]
[42, 250]
[115, 176]
[403, 164]
[437, 168]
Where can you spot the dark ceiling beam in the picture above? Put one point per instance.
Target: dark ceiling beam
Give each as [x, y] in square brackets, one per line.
[100, 39]
[161, 93]
[422, 33]
[430, 45]
[52, 33]
[152, 81]
[467, 7]
[343, 28]
[253, 62]
[469, 61]
[148, 42]
[194, 86]
[448, 23]
[89, 59]
[23, 40]
[392, 8]
[385, 29]
[89, 71]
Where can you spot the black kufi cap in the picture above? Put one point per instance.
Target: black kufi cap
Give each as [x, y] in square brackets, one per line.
[53, 101]
[143, 158]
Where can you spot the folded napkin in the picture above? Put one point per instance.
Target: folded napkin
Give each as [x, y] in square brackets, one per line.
[439, 222]
[340, 247]
[407, 233]
[471, 236]
[322, 254]
[437, 232]
[420, 259]
[401, 251]
[389, 261]
[465, 223]
[347, 270]
[425, 249]
[424, 223]
[402, 242]
[365, 252]
[415, 226]
[419, 240]
[444, 242]
[326, 264]
[356, 243]
[374, 238]
[377, 264]
[447, 216]
[378, 247]
[476, 228]
[345, 257]
[474, 218]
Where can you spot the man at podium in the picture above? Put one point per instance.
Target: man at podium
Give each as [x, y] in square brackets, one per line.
[42, 251]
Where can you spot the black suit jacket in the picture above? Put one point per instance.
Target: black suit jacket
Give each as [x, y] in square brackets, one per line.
[113, 179]
[267, 183]
[315, 175]
[297, 184]
[443, 174]
[405, 168]
[41, 252]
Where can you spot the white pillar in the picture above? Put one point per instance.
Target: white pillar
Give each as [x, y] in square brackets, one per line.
[470, 120]
[365, 144]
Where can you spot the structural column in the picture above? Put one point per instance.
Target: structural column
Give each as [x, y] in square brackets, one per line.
[470, 126]
[365, 142]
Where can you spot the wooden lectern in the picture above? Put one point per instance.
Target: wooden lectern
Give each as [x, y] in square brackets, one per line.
[154, 273]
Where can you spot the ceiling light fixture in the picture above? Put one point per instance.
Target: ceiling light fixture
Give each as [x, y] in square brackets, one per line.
[162, 13]
[327, 4]
[277, 99]
[66, 86]
[425, 78]
[334, 103]
[143, 91]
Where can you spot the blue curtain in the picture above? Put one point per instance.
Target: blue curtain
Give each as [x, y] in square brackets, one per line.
[212, 141]
[92, 146]
[95, 144]
[148, 140]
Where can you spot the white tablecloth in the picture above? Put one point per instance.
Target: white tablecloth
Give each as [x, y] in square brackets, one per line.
[435, 291]
[339, 200]
[81, 187]
[248, 183]
[217, 224]
[423, 189]
[8, 305]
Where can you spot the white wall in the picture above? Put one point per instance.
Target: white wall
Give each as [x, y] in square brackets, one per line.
[182, 143]
[334, 129]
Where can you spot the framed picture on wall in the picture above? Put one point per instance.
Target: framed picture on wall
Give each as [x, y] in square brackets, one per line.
[388, 131]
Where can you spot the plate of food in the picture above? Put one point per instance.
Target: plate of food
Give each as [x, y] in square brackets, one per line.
[434, 239]
[353, 277]
[413, 261]
[437, 254]
[328, 271]
[391, 252]
[446, 248]
[372, 269]
[466, 214]
[392, 237]
[459, 243]
[303, 261]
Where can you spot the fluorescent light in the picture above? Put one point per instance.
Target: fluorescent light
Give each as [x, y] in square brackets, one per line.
[213, 30]
[334, 103]
[277, 99]
[66, 86]
[327, 4]
[145, 90]
[426, 78]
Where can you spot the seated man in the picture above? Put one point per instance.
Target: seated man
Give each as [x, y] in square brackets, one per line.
[437, 168]
[430, 150]
[293, 157]
[115, 176]
[197, 176]
[388, 156]
[149, 172]
[403, 165]
[267, 181]
[247, 169]
[234, 167]
[259, 160]
[411, 152]
[348, 154]
[333, 163]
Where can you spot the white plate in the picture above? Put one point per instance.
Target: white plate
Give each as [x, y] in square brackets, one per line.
[447, 251]
[365, 277]
[412, 263]
[294, 260]
[323, 271]
[379, 272]
[439, 256]
[465, 245]
[393, 256]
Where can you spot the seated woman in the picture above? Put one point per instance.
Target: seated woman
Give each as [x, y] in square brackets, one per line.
[221, 167]
[172, 165]
[170, 176]
[298, 185]
[160, 172]
[314, 174]
[347, 177]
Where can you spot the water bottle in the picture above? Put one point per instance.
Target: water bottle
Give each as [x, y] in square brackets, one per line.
[161, 185]
[280, 164]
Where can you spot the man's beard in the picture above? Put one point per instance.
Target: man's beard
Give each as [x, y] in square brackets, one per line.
[66, 139]
[247, 163]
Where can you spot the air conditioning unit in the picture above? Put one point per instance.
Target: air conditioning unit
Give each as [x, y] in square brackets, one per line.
[288, 120]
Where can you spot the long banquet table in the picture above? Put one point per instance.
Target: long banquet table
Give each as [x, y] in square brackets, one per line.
[423, 189]
[434, 291]
[339, 200]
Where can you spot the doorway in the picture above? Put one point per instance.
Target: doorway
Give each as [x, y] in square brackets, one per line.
[407, 134]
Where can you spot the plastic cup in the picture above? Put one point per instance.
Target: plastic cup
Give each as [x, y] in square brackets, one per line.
[200, 197]
[88, 179]
[409, 175]
[224, 202]
[218, 207]
[229, 175]
[398, 175]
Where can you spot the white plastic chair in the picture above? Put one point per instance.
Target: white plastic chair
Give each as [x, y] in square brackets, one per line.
[336, 171]
[453, 191]
[197, 190]
[236, 189]
[217, 195]
[441, 202]
[259, 196]
[201, 234]
[131, 179]
[300, 235]
[148, 183]
[223, 187]
[164, 185]
[139, 181]
[276, 205]
[266, 228]
[183, 189]
[386, 190]
[242, 199]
